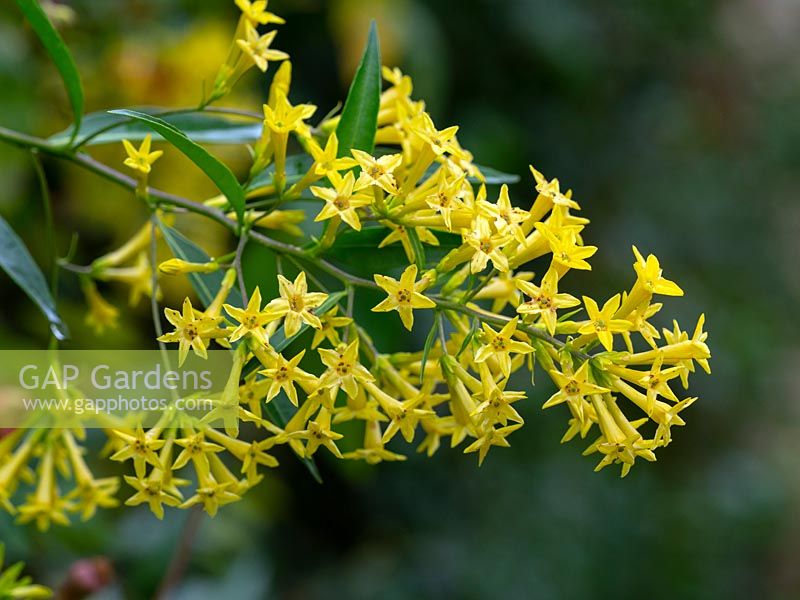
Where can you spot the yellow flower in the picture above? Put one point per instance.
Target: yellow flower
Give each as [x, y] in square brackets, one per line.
[551, 191]
[340, 200]
[572, 389]
[283, 375]
[90, 493]
[503, 290]
[139, 446]
[142, 159]
[602, 322]
[256, 12]
[656, 382]
[195, 448]
[176, 266]
[649, 275]
[212, 495]
[330, 323]
[101, 314]
[139, 277]
[257, 47]
[404, 416]
[400, 234]
[639, 323]
[344, 370]
[319, 433]
[151, 491]
[496, 406]
[377, 171]
[296, 304]
[648, 282]
[445, 200]
[487, 246]
[566, 251]
[500, 344]
[284, 118]
[404, 295]
[545, 300]
[327, 161]
[45, 506]
[507, 218]
[493, 437]
[252, 319]
[373, 451]
[191, 332]
[438, 141]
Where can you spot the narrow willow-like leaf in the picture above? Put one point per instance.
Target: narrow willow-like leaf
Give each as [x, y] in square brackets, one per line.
[18, 263]
[417, 247]
[217, 171]
[105, 128]
[59, 53]
[491, 176]
[495, 177]
[359, 121]
[205, 285]
[428, 345]
[468, 338]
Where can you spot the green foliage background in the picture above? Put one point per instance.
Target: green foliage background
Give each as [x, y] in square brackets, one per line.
[676, 123]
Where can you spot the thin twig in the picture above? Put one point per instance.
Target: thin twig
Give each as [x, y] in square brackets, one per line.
[278, 247]
[154, 284]
[183, 551]
[237, 264]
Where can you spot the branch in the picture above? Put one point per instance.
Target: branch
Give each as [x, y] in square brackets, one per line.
[278, 247]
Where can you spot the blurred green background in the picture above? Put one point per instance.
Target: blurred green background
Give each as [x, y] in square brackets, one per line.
[676, 123]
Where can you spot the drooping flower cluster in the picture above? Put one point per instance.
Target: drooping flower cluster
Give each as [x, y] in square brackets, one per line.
[613, 371]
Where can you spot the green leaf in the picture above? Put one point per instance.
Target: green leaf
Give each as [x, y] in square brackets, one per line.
[469, 337]
[220, 174]
[58, 51]
[418, 248]
[105, 128]
[429, 341]
[359, 120]
[206, 285]
[358, 252]
[495, 177]
[18, 263]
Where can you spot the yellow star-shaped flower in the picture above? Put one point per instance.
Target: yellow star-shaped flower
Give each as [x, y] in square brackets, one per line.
[500, 344]
[404, 295]
[602, 322]
[296, 304]
[545, 300]
[252, 319]
[340, 201]
[142, 159]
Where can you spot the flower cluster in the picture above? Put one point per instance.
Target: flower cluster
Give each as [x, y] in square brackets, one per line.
[466, 247]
